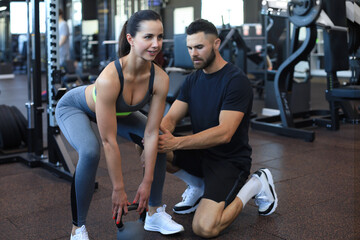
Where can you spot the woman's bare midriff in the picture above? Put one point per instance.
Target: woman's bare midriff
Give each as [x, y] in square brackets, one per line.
[89, 98]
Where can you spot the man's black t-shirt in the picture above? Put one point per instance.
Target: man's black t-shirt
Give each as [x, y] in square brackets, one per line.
[208, 94]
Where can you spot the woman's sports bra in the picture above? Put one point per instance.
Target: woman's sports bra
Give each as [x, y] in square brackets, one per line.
[122, 108]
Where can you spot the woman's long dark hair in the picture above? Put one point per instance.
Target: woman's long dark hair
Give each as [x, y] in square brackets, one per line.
[131, 26]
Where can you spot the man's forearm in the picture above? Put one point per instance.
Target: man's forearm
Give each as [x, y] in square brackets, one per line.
[208, 138]
[168, 124]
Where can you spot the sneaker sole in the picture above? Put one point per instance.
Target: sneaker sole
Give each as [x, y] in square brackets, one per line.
[162, 231]
[270, 179]
[186, 211]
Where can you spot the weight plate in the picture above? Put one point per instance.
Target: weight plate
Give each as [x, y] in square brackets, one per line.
[11, 137]
[21, 123]
[303, 16]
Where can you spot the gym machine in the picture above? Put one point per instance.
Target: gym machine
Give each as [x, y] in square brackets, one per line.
[233, 47]
[309, 13]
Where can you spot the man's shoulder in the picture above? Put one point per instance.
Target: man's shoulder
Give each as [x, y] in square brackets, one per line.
[233, 69]
[193, 76]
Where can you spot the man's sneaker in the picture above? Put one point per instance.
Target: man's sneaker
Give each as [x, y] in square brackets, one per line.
[190, 200]
[266, 199]
[80, 234]
[162, 222]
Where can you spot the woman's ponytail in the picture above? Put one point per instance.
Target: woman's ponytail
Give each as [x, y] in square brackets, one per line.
[124, 46]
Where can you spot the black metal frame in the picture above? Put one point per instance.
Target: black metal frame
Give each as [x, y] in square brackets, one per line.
[338, 96]
[288, 123]
[228, 37]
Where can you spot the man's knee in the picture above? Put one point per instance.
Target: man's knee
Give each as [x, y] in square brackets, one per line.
[169, 159]
[138, 149]
[170, 167]
[204, 228]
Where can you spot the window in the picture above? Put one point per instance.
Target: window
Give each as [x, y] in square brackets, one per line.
[18, 17]
[224, 11]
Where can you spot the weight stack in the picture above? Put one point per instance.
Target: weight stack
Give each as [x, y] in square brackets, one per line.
[13, 130]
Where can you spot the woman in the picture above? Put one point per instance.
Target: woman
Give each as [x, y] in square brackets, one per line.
[113, 101]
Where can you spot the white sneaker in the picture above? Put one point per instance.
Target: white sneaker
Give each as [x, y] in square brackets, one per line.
[266, 199]
[191, 198]
[162, 222]
[80, 234]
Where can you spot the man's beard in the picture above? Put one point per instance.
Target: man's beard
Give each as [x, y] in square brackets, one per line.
[207, 62]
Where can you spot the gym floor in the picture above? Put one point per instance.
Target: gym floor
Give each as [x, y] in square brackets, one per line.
[317, 183]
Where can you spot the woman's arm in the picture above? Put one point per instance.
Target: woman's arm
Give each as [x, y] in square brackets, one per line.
[107, 88]
[151, 135]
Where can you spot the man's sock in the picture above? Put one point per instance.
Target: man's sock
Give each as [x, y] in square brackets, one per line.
[189, 179]
[249, 190]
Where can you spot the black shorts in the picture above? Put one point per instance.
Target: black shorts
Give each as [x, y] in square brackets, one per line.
[223, 179]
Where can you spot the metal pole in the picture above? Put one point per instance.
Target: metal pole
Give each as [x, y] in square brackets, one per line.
[53, 66]
[29, 105]
[37, 139]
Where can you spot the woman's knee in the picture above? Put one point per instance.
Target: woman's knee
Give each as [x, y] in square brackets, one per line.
[91, 153]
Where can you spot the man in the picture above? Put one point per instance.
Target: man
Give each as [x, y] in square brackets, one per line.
[215, 160]
[64, 43]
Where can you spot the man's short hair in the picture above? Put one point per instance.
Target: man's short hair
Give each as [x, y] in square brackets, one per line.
[201, 25]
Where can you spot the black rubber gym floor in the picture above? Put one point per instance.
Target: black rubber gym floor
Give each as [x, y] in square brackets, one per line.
[318, 185]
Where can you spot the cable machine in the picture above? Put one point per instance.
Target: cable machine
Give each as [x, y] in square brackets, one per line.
[309, 14]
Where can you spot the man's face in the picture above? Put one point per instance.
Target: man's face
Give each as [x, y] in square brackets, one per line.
[201, 49]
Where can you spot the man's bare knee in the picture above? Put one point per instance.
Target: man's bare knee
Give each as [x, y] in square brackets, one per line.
[204, 229]
[169, 165]
[138, 149]
[169, 158]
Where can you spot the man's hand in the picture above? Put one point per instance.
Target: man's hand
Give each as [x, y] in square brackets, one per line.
[167, 141]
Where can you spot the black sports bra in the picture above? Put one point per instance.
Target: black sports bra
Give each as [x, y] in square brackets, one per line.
[122, 108]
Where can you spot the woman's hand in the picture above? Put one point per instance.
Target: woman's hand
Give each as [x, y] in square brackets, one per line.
[142, 196]
[119, 203]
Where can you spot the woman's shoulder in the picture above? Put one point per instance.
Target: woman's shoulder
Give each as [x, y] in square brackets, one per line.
[109, 70]
[159, 72]
[108, 75]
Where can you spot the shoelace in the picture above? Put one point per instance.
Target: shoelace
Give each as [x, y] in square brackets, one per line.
[165, 214]
[262, 198]
[185, 193]
[83, 233]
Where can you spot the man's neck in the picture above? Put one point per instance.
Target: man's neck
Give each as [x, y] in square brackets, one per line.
[218, 64]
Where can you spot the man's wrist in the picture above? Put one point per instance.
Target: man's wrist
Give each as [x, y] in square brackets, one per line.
[178, 145]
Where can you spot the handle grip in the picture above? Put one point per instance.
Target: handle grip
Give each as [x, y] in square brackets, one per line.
[131, 207]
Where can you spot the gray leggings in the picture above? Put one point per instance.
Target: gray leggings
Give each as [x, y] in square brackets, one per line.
[74, 119]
